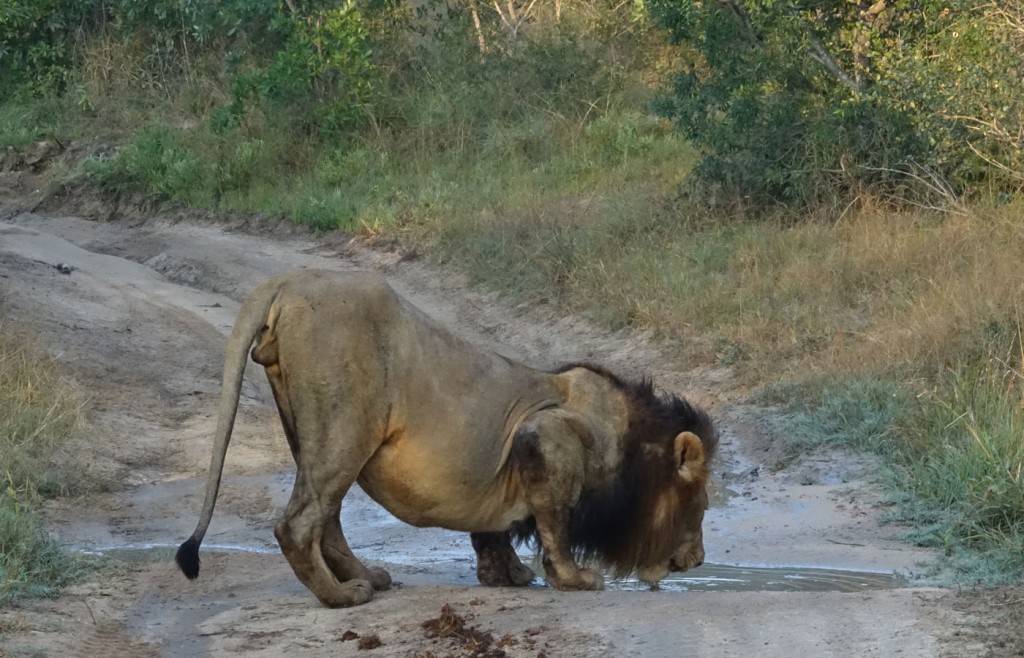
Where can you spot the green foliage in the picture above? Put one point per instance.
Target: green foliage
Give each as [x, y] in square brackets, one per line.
[962, 87]
[311, 65]
[174, 165]
[799, 103]
[859, 413]
[28, 120]
[37, 39]
[159, 162]
[31, 563]
[322, 69]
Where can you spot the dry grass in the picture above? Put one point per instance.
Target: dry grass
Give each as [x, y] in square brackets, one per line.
[111, 66]
[927, 291]
[38, 410]
[867, 292]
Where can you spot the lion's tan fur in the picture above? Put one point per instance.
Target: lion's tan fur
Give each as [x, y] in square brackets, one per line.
[371, 390]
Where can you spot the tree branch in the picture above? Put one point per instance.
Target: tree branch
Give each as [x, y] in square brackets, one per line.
[740, 14]
[479, 30]
[821, 55]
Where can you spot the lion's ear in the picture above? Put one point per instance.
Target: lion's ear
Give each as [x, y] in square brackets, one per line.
[689, 452]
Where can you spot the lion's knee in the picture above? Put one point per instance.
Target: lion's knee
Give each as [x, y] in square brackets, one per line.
[288, 537]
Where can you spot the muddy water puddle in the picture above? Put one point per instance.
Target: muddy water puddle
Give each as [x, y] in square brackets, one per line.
[143, 553]
[416, 556]
[706, 578]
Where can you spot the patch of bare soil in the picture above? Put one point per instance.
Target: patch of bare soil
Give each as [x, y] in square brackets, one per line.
[995, 622]
[140, 320]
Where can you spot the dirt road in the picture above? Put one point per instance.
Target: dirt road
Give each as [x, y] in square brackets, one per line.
[141, 323]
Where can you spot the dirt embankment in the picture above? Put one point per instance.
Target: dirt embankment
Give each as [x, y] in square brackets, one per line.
[141, 321]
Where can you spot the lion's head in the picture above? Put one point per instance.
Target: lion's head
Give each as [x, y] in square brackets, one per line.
[648, 516]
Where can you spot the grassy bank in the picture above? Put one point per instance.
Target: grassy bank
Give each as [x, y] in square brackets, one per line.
[952, 457]
[38, 410]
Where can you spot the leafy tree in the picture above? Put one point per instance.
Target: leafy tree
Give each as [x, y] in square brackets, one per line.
[37, 40]
[321, 67]
[795, 102]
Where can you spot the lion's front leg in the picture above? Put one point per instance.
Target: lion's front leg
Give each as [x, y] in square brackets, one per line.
[559, 565]
[550, 461]
[497, 564]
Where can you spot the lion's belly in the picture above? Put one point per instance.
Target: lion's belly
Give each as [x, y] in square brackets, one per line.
[428, 492]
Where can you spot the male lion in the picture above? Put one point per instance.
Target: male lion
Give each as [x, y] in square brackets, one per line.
[440, 433]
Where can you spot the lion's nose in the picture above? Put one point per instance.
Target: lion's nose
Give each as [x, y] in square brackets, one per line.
[691, 561]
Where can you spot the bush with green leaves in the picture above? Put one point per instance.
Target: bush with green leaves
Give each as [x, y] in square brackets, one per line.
[799, 103]
[309, 62]
[963, 87]
[322, 70]
[37, 39]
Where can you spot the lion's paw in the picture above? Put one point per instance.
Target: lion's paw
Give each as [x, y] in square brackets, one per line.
[591, 580]
[350, 593]
[496, 572]
[584, 579]
[520, 575]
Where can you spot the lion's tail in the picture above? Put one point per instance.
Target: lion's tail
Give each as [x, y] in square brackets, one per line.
[251, 319]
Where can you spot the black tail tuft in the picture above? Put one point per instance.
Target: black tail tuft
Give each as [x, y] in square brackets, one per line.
[188, 558]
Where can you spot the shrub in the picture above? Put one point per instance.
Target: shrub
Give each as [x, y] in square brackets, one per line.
[803, 104]
[37, 39]
[321, 75]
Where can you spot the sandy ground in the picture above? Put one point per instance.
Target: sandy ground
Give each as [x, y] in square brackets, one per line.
[141, 323]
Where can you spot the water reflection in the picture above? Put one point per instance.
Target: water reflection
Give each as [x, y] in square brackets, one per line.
[727, 578]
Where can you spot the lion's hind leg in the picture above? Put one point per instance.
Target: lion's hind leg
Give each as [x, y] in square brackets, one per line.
[341, 560]
[497, 564]
[301, 534]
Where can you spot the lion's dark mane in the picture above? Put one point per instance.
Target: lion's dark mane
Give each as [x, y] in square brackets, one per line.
[612, 523]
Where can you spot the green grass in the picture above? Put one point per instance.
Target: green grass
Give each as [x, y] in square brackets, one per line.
[860, 413]
[26, 121]
[952, 457]
[966, 460]
[32, 564]
[38, 411]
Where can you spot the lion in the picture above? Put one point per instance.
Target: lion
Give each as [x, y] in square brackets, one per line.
[372, 391]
